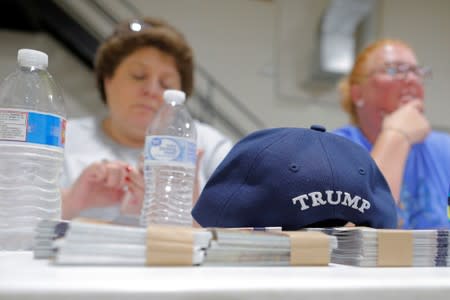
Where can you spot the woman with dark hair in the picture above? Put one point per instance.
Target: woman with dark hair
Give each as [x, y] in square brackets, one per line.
[384, 96]
[133, 67]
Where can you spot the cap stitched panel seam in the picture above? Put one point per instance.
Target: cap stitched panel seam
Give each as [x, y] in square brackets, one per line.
[333, 178]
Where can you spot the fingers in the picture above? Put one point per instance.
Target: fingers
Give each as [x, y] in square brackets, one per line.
[197, 187]
[135, 193]
[115, 174]
[417, 104]
[410, 120]
[94, 172]
[200, 153]
[108, 182]
[134, 177]
[119, 175]
[141, 163]
[110, 174]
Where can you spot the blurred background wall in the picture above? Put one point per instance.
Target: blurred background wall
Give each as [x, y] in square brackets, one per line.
[262, 52]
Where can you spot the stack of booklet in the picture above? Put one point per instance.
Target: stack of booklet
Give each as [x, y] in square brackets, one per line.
[369, 247]
[268, 248]
[46, 233]
[106, 244]
[86, 243]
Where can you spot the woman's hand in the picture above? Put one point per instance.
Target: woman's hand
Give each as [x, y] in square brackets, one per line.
[101, 184]
[400, 130]
[409, 121]
[135, 191]
[107, 183]
[197, 188]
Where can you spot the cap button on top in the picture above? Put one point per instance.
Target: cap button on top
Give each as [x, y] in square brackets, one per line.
[318, 128]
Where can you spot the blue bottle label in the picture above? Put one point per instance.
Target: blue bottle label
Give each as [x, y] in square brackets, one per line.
[32, 127]
[170, 149]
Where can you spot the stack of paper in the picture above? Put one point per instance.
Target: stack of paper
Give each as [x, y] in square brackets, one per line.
[87, 243]
[48, 231]
[105, 244]
[269, 248]
[369, 247]
[240, 247]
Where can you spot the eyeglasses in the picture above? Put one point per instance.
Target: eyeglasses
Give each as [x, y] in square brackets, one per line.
[400, 71]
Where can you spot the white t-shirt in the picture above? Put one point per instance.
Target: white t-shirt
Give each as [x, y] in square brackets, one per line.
[86, 143]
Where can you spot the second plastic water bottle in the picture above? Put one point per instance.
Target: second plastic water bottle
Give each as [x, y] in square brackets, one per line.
[169, 164]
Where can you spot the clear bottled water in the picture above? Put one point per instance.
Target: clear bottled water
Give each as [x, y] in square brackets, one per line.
[169, 164]
[32, 125]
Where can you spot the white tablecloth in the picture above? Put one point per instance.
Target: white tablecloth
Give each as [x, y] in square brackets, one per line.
[22, 277]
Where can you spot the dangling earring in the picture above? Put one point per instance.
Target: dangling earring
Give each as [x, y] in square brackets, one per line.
[359, 103]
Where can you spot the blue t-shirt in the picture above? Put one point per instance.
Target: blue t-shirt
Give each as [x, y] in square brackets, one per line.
[426, 180]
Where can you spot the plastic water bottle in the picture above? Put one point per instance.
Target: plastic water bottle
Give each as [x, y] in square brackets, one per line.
[32, 126]
[169, 164]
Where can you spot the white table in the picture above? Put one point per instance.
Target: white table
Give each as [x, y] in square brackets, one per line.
[21, 277]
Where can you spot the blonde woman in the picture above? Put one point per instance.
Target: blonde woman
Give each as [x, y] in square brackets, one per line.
[384, 97]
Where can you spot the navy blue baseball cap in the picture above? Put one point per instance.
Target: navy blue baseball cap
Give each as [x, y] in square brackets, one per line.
[296, 178]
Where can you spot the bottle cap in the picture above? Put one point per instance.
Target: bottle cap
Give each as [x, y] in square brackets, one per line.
[32, 58]
[174, 96]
